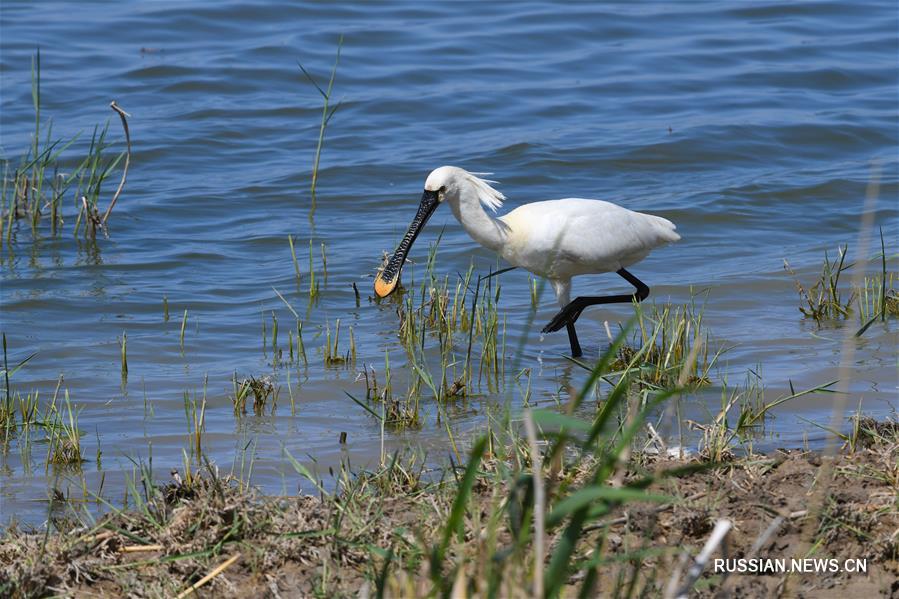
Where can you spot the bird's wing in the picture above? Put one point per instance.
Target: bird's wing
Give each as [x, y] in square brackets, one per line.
[592, 233]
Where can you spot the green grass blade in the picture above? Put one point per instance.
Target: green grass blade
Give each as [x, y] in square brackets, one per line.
[585, 497]
[454, 523]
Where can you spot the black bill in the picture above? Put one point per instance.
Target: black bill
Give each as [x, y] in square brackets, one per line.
[387, 280]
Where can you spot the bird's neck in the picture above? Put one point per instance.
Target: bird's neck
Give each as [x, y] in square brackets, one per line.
[480, 225]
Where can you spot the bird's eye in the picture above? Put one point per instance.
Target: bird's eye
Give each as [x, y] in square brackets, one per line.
[441, 192]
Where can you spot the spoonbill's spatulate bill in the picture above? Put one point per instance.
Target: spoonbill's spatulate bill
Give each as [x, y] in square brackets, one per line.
[556, 239]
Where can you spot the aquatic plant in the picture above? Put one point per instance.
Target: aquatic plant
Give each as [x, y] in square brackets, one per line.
[124, 347]
[97, 174]
[877, 299]
[195, 414]
[742, 416]
[331, 352]
[37, 185]
[264, 393]
[463, 318]
[64, 437]
[313, 284]
[664, 338]
[296, 264]
[7, 408]
[295, 345]
[823, 299]
[183, 329]
[20, 414]
[327, 115]
[392, 411]
[873, 298]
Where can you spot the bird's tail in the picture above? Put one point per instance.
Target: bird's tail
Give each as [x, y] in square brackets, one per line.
[666, 230]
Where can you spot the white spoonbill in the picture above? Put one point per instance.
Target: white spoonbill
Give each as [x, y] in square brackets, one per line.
[555, 239]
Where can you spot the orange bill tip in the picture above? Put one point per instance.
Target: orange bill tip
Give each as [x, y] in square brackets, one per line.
[384, 288]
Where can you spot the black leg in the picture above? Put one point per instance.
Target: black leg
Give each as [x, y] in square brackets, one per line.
[572, 339]
[570, 313]
[642, 290]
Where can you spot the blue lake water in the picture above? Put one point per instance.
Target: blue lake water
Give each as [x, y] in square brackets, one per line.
[753, 126]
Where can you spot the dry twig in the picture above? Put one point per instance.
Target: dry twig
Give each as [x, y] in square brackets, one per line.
[215, 572]
[122, 115]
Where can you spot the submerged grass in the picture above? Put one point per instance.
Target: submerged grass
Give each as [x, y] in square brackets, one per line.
[563, 508]
[327, 115]
[877, 298]
[826, 300]
[396, 412]
[453, 338]
[34, 190]
[331, 351]
[55, 425]
[742, 417]
[664, 339]
[65, 440]
[264, 392]
[556, 510]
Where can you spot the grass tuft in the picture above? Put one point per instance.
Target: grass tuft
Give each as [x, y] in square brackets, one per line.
[664, 338]
[64, 437]
[263, 390]
[824, 300]
[35, 190]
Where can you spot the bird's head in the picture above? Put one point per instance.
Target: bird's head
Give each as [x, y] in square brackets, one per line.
[436, 186]
[444, 184]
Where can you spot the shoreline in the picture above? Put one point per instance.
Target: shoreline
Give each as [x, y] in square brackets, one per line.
[378, 533]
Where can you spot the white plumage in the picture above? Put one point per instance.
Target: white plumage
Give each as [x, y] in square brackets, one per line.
[555, 239]
[560, 239]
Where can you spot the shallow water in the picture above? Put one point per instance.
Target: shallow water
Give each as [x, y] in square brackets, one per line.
[752, 127]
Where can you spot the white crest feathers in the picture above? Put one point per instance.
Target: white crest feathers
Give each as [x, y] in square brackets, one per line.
[489, 197]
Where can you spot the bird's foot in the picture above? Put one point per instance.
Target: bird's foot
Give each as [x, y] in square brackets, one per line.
[561, 319]
[558, 321]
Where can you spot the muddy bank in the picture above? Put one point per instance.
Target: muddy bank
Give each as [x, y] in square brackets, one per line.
[383, 531]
